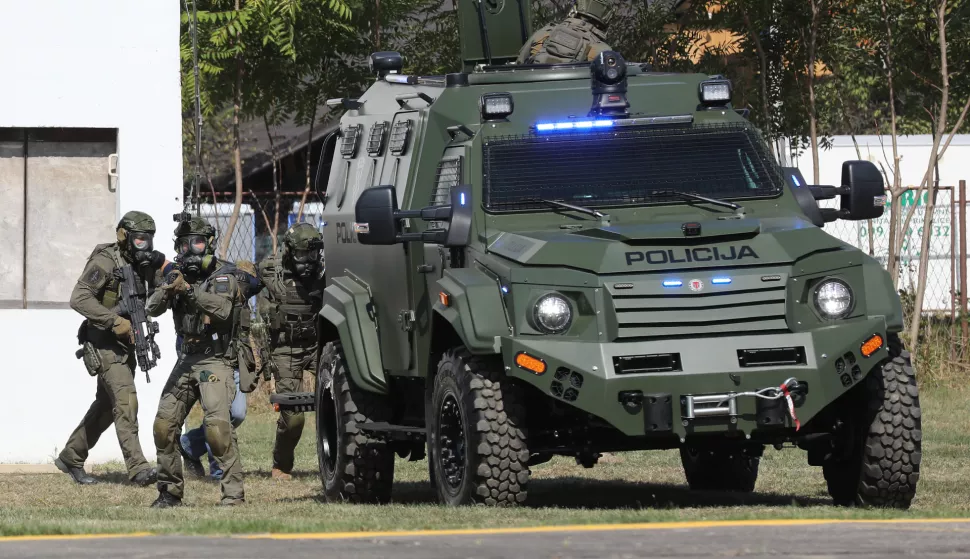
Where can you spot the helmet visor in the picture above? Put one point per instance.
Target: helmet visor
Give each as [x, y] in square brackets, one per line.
[191, 244]
[304, 255]
[141, 240]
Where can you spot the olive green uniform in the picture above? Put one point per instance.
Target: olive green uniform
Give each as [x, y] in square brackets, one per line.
[206, 317]
[290, 308]
[97, 291]
[575, 39]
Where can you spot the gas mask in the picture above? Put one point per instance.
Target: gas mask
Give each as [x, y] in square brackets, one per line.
[304, 262]
[192, 255]
[141, 250]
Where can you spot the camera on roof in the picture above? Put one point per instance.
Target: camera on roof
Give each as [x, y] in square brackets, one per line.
[609, 85]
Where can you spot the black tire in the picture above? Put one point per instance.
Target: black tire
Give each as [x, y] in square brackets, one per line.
[354, 466]
[721, 469]
[476, 442]
[880, 463]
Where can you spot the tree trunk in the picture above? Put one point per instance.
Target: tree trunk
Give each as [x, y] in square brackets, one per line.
[931, 199]
[272, 149]
[812, 116]
[763, 81]
[309, 155]
[896, 189]
[236, 151]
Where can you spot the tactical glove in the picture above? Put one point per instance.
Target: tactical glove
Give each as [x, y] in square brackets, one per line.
[122, 328]
[176, 283]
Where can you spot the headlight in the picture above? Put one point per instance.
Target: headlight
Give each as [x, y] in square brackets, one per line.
[553, 314]
[833, 299]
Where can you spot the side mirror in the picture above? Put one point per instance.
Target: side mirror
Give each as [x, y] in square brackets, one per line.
[374, 221]
[862, 194]
[866, 198]
[378, 219]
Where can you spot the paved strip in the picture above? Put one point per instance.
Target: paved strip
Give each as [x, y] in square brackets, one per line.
[792, 539]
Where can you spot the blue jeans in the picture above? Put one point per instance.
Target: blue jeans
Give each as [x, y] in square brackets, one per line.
[194, 441]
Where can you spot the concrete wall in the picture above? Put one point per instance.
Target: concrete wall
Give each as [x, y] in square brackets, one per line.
[92, 64]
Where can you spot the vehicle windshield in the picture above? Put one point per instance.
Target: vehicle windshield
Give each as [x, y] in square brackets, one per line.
[628, 166]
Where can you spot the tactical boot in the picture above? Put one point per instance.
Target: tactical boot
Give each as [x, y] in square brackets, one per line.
[166, 500]
[280, 475]
[226, 502]
[145, 478]
[77, 474]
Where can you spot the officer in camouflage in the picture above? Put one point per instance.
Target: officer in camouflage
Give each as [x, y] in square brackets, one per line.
[207, 302]
[289, 304]
[108, 349]
[578, 38]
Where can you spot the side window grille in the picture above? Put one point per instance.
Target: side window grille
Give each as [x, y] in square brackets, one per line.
[447, 176]
[348, 144]
[375, 142]
[400, 136]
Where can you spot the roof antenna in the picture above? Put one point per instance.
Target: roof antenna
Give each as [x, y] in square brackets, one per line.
[193, 199]
[484, 25]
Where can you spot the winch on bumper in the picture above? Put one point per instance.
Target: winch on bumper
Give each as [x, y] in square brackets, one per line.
[650, 387]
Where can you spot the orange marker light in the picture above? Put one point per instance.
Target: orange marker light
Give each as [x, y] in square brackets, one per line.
[872, 345]
[443, 297]
[531, 364]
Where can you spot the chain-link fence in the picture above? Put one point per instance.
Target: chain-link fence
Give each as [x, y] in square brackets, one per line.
[943, 272]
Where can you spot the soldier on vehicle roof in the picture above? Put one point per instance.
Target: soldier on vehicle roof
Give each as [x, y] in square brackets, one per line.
[290, 302]
[108, 349]
[578, 38]
[209, 303]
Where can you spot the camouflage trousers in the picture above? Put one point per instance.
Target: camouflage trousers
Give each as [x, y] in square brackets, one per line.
[116, 401]
[291, 362]
[210, 381]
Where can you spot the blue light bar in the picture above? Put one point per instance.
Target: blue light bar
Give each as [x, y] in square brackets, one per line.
[573, 125]
[461, 198]
[673, 283]
[795, 180]
[505, 289]
[721, 281]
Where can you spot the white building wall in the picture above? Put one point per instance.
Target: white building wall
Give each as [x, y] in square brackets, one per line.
[97, 64]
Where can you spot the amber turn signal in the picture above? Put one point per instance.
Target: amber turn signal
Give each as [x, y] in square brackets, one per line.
[531, 364]
[872, 345]
[443, 297]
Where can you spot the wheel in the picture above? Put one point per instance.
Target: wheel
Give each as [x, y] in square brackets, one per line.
[881, 439]
[477, 445]
[722, 468]
[354, 466]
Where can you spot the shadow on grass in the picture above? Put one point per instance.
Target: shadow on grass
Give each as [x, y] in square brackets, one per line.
[582, 493]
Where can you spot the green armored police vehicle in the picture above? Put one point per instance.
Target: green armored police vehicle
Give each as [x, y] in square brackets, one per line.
[530, 261]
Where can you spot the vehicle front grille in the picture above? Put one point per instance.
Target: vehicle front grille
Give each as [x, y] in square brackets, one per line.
[716, 312]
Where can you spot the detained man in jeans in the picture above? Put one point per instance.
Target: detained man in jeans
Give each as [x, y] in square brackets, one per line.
[192, 444]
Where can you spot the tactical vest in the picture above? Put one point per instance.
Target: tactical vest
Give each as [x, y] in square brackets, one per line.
[293, 306]
[570, 41]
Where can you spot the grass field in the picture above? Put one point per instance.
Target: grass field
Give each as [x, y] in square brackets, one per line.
[630, 487]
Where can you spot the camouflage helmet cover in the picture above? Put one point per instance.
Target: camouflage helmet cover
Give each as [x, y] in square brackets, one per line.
[137, 221]
[195, 226]
[302, 236]
[600, 11]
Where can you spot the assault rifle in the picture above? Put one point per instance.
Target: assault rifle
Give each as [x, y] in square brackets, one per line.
[132, 307]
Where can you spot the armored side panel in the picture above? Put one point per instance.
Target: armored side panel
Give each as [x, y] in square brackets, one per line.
[493, 31]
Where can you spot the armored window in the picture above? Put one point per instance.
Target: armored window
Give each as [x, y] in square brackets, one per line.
[447, 176]
[401, 136]
[349, 141]
[629, 166]
[375, 142]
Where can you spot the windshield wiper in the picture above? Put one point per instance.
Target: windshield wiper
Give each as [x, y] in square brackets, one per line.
[691, 196]
[557, 203]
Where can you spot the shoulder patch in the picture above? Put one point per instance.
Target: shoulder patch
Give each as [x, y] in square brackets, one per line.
[222, 279]
[94, 276]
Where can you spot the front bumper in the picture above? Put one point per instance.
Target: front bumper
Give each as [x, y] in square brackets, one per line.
[832, 365]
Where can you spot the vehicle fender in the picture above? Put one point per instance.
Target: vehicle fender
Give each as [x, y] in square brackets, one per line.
[881, 296]
[475, 309]
[347, 305]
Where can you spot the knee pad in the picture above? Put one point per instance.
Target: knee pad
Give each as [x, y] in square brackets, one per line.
[163, 431]
[218, 433]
